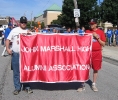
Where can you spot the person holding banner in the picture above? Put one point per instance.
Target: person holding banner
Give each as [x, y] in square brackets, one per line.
[96, 59]
[14, 51]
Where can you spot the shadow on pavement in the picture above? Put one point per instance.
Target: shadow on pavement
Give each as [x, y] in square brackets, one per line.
[5, 55]
[89, 82]
[57, 86]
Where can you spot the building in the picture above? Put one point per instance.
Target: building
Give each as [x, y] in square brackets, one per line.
[49, 15]
[39, 18]
[108, 26]
[4, 23]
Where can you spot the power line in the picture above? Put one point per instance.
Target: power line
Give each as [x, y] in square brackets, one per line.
[44, 5]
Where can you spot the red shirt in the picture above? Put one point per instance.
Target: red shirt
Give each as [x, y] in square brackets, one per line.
[96, 45]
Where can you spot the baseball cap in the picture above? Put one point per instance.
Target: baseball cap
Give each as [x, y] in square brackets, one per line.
[23, 19]
[9, 24]
[93, 21]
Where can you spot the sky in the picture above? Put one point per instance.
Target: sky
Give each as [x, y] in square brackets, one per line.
[18, 8]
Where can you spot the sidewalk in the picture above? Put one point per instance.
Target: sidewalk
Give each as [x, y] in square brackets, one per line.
[110, 52]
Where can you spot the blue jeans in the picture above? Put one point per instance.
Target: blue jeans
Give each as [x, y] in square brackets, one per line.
[116, 40]
[16, 72]
[109, 41]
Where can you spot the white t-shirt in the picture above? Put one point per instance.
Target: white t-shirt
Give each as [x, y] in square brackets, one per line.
[14, 37]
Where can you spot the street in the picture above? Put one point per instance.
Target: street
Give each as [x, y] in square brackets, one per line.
[106, 84]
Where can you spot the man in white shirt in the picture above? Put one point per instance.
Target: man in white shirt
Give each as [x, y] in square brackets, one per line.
[14, 51]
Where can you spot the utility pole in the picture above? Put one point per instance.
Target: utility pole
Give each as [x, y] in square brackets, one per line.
[76, 7]
[31, 18]
[25, 13]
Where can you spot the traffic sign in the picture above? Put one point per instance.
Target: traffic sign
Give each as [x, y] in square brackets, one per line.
[76, 12]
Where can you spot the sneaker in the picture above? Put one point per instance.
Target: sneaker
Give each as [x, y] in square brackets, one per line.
[28, 91]
[94, 88]
[16, 92]
[80, 89]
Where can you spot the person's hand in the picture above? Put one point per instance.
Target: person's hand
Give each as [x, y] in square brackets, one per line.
[28, 32]
[24, 33]
[95, 35]
[9, 51]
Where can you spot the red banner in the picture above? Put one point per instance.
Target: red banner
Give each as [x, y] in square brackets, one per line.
[55, 58]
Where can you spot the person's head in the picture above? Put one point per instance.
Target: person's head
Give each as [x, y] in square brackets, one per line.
[54, 30]
[10, 25]
[78, 28]
[69, 29]
[57, 31]
[48, 30]
[83, 28]
[93, 24]
[44, 28]
[23, 22]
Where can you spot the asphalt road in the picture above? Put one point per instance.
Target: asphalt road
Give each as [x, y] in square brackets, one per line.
[107, 84]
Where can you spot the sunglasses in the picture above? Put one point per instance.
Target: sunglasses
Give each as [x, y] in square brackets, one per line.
[23, 22]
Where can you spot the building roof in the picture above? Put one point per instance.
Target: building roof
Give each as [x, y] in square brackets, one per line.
[3, 22]
[54, 7]
[39, 15]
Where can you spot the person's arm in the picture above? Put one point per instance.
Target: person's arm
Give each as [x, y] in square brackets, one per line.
[5, 34]
[7, 46]
[98, 39]
[7, 42]
[101, 42]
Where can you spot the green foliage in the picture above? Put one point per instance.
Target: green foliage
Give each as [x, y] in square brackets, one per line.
[34, 24]
[67, 18]
[56, 22]
[28, 25]
[109, 11]
[88, 9]
[42, 25]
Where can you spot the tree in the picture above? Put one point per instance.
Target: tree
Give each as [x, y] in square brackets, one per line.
[34, 24]
[56, 21]
[88, 9]
[42, 25]
[109, 11]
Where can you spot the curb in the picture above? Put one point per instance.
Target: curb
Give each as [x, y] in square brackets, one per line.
[110, 58]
